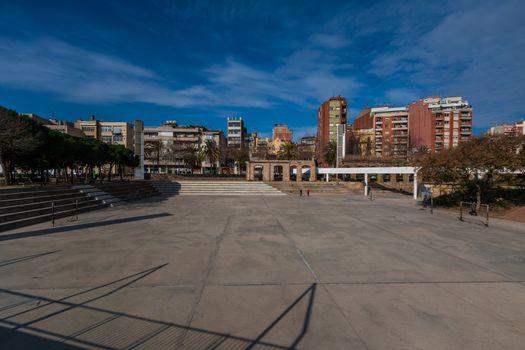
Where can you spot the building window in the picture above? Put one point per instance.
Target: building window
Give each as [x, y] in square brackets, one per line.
[107, 129]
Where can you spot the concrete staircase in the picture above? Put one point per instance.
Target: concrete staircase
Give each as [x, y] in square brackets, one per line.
[316, 188]
[21, 207]
[126, 191]
[216, 188]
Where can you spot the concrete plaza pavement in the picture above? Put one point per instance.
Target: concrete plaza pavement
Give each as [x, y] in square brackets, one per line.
[264, 273]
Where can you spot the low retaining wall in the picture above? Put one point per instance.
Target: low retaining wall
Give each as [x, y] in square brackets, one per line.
[173, 177]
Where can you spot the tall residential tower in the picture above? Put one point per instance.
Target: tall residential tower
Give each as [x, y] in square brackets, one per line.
[439, 123]
[330, 114]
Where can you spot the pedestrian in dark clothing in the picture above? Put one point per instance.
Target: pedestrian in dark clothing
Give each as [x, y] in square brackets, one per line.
[301, 192]
[308, 192]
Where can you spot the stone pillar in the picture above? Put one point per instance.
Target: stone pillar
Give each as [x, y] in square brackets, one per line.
[313, 173]
[267, 168]
[286, 172]
[299, 173]
[249, 172]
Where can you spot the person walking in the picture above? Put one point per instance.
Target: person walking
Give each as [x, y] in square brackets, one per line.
[308, 192]
[300, 192]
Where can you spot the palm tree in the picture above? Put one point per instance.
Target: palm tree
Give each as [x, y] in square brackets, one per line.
[288, 151]
[191, 156]
[211, 152]
[330, 153]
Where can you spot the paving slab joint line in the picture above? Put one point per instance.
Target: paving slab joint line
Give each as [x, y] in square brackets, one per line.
[208, 272]
[305, 262]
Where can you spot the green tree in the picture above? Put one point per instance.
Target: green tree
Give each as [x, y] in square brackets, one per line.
[473, 167]
[192, 157]
[20, 138]
[122, 157]
[212, 153]
[330, 153]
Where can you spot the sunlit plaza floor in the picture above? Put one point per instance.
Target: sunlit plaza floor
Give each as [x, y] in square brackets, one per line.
[198, 272]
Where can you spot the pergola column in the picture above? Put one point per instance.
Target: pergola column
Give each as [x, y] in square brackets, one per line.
[415, 184]
[366, 184]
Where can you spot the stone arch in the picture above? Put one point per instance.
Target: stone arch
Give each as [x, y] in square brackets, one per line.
[258, 172]
[305, 175]
[293, 177]
[277, 172]
[283, 169]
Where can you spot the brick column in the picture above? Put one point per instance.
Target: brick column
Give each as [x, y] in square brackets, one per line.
[267, 168]
[286, 172]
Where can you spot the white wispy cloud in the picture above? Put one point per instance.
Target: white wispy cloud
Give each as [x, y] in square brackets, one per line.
[79, 75]
[476, 50]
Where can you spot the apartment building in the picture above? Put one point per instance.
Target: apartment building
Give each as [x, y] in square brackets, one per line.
[117, 133]
[282, 132]
[260, 147]
[56, 125]
[90, 127]
[439, 123]
[330, 114]
[390, 131]
[110, 132]
[166, 145]
[520, 128]
[306, 147]
[363, 134]
[65, 128]
[236, 133]
[511, 130]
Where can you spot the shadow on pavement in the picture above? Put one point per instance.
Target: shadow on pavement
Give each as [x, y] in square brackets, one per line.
[24, 258]
[69, 323]
[48, 231]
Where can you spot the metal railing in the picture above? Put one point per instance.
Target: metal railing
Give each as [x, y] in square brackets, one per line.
[53, 213]
[473, 211]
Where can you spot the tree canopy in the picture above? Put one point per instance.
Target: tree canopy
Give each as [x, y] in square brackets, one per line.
[27, 145]
[474, 167]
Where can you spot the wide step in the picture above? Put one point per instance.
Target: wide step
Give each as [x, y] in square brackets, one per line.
[216, 188]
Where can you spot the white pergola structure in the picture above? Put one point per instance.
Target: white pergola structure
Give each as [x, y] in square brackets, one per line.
[372, 170]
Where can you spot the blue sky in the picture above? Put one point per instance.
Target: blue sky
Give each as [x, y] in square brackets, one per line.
[267, 61]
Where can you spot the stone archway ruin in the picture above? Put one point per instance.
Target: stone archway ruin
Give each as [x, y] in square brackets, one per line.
[269, 169]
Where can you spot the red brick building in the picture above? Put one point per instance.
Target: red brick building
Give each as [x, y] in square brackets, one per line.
[331, 113]
[282, 132]
[390, 131]
[439, 123]
[382, 131]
